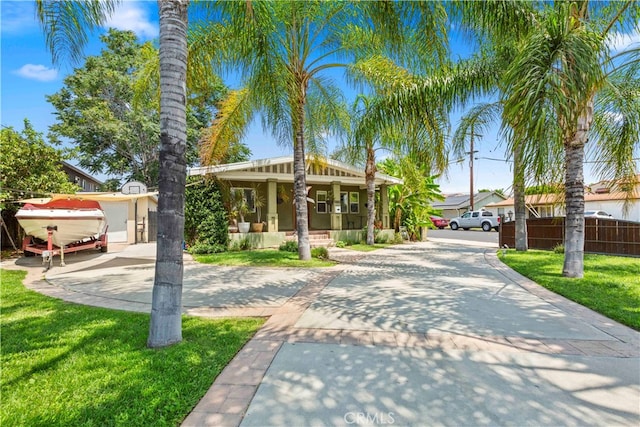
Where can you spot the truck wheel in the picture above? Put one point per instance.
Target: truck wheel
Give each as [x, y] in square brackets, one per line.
[486, 226]
[103, 249]
[454, 225]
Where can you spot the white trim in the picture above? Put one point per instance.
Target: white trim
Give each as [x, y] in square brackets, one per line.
[239, 171]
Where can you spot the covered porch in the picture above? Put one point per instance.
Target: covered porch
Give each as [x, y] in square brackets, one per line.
[336, 197]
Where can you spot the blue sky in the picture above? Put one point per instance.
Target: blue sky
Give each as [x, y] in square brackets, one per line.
[27, 76]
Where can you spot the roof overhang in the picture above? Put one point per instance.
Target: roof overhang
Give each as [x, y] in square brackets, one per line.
[280, 169]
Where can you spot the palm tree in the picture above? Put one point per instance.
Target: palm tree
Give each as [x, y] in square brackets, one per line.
[422, 142]
[554, 82]
[283, 49]
[65, 24]
[166, 306]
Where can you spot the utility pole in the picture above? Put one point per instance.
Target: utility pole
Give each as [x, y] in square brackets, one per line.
[471, 153]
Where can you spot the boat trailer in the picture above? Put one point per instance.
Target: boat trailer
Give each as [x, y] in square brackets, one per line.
[48, 250]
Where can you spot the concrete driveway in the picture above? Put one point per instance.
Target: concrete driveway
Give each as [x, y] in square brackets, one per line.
[434, 333]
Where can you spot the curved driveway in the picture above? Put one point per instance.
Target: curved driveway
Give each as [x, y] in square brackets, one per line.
[433, 333]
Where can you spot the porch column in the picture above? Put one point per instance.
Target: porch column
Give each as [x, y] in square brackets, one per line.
[384, 206]
[336, 218]
[272, 205]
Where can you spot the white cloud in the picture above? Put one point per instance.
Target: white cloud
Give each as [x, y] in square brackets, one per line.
[133, 17]
[18, 17]
[619, 41]
[37, 72]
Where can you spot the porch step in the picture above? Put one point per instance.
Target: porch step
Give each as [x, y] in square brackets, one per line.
[315, 239]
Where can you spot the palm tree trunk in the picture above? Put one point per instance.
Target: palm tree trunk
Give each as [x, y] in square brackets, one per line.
[520, 207]
[574, 197]
[300, 181]
[166, 306]
[370, 175]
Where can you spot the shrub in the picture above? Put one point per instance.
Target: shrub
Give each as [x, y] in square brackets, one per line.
[341, 244]
[206, 248]
[559, 248]
[289, 246]
[380, 238]
[214, 229]
[205, 218]
[397, 239]
[320, 252]
[241, 245]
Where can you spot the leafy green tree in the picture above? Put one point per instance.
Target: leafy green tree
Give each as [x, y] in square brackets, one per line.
[114, 127]
[30, 167]
[410, 203]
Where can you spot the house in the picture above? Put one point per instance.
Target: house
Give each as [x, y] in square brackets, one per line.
[550, 205]
[85, 181]
[336, 196]
[455, 205]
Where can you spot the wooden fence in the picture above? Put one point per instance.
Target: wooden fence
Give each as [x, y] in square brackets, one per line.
[604, 236]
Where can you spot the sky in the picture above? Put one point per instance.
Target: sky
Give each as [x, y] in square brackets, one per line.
[28, 75]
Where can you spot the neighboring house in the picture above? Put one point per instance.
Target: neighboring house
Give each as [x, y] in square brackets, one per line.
[336, 194]
[549, 205]
[455, 205]
[538, 206]
[85, 181]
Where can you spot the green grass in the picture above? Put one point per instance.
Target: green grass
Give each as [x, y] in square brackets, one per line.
[367, 248]
[261, 258]
[70, 365]
[611, 284]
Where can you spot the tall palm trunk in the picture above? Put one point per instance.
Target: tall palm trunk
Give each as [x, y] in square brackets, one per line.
[520, 206]
[574, 196]
[370, 175]
[166, 309]
[300, 178]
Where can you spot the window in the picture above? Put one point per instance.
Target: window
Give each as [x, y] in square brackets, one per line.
[487, 213]
[321, 201]
[466, 215]
[354, 202]
[475, 214]
[344, 202]
[247, 195]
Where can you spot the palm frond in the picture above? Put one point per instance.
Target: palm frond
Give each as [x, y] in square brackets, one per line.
[228, 128]
[65, 24]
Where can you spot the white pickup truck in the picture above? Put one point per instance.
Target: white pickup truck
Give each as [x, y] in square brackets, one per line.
[476, 219]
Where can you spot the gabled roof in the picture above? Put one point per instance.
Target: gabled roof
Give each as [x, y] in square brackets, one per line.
[323, 171]
[461, 201]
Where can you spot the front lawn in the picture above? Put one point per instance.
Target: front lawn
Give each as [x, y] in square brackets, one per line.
[70, 365]
[363, 247]
[611, 284]
[261, 258]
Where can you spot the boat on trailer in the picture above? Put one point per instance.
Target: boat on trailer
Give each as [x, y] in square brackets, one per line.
[61, 226]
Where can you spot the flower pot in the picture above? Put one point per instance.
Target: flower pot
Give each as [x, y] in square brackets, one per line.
[243, 227]
[256, 227]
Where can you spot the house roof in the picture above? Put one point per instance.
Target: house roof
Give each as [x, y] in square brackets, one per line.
[80, 172]
[323, 171]
[554, 199]
[461, 201]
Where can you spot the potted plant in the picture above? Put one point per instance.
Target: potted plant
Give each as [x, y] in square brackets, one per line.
[258, 202]
[240, 209]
